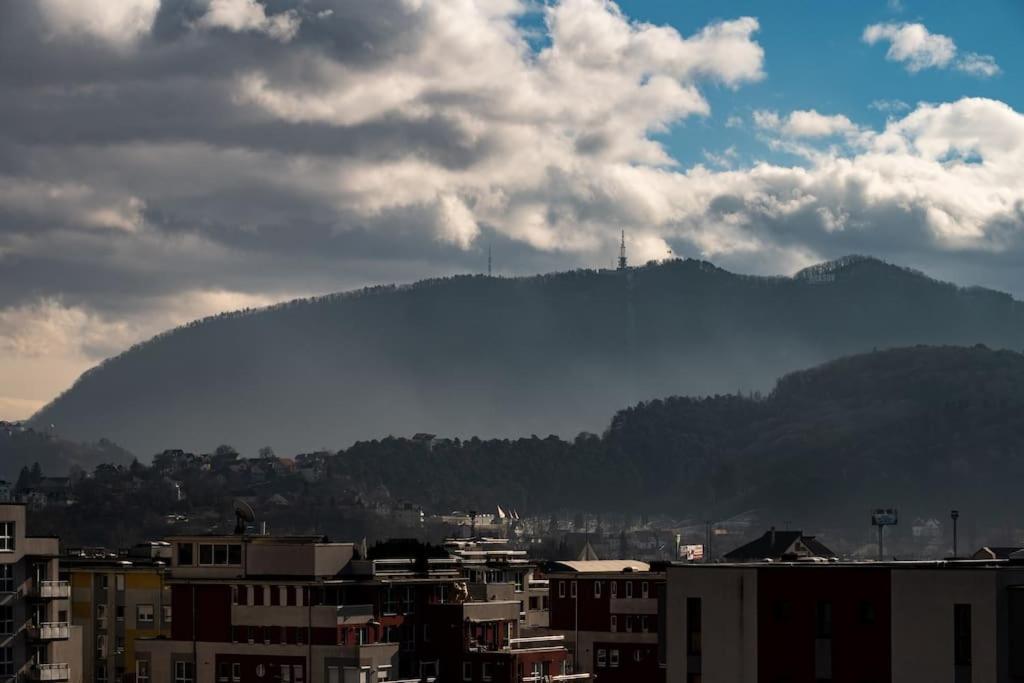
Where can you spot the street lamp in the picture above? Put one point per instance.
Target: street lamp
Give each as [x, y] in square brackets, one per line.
[955, 515]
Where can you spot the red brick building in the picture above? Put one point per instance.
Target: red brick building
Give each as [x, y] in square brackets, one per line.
[607, 610]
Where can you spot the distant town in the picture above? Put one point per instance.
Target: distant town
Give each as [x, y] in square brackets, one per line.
[240, 582]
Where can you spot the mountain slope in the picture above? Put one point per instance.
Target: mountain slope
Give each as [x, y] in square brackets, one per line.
[23, 447]
[478, 355]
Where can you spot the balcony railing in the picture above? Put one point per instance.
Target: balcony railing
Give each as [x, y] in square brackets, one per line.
[537, 643]
[49, 630]
[50, 672]
[52, 589]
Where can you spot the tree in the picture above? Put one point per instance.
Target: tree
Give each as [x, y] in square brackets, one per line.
[267, 453]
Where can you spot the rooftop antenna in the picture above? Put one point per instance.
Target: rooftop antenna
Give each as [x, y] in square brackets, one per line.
[244, 515]
[622, 252]
[488, 260]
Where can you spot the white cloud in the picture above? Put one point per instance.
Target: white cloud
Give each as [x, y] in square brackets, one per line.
[118, 22]
[978, 65]
[250, 15]
[889, 106]
[918, 48]
[805, 124]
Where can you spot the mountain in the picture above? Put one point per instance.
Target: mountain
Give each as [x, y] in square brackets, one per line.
[923, 428]
[508, 356]
[21, 446]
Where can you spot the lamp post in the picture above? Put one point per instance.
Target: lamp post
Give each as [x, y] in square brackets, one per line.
[955, 515]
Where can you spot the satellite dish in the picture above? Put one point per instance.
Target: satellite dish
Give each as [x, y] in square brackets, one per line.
[244, 515]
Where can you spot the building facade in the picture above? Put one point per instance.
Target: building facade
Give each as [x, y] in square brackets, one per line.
[903, 622]
[607, 611]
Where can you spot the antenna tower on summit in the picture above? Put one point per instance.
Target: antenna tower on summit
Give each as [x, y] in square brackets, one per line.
[488, 260]
[622, 252]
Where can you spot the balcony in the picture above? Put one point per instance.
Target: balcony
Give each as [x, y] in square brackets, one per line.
[50, 672]
[50, 590]
[48, 630]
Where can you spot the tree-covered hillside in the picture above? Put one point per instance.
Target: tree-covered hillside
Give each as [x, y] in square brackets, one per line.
[508, 356]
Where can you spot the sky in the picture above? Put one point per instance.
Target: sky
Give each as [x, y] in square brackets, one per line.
[164, 160]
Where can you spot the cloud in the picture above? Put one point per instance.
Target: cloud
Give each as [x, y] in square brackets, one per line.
[889, 106]
[209, 167]
[250, 15]
[118, 22]
[918, 49]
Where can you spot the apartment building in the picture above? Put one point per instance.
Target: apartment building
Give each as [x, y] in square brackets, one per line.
[900, 622]
[36, 640]
[117, 598]
[303, 610]
[495, 570]
[607, 611]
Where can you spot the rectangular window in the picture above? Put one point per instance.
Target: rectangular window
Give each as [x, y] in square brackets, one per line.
[629, 589]
[613, 589]
[643, 623]
[257, 596]
[823, 620]
[101, 646]
[409, 604]
[104, 582]
[613, 658]
[236, 672]
[144, 614]
[185, 555]
[485, 671]
[866, 612]
[467, 671]
[602, 658]
[275, 596]
[119, 581]
[597, 589]
[119, 611]
[297, 673]
[962, 646]
[235, 554]
[613, 624]
[101, 673]
[561, 589]
[519, 582]
[183, 672]
[390, 601]
[426, 633]
[166, 614]
[572, 589]
[101, 616]
[142, 671]
[629, 624]
[6, 620]
[223, 672]
[6, 578]
[286, 673]
[644, 590]
[6, 661]
[6, 537]
[290, 596]
[694, 644]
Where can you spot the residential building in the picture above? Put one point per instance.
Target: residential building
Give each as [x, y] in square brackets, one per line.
[899, 622]
[36, 640]
[495, 570]
[117, 599]
[778, 546]
[607, 611]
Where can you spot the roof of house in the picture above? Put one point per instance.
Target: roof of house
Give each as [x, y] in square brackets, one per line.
[995, 552]
[600, 566]
[779, 544]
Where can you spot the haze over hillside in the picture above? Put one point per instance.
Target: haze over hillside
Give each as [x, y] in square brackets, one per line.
[474, 355]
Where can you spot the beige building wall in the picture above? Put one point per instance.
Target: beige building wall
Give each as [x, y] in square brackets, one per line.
[729, 615]
[922, 623]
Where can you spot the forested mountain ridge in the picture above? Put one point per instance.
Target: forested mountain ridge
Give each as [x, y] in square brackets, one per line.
[23, 447]
[508, 356]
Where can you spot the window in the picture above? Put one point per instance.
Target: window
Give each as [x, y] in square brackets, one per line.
[220, 554]
[6, 537]
[613, 625]
[823, 620]
[613, 589]
[286, 673]
[561, 589]
[142, 671]
[236, 672]
[782, 610]
[638, 655]
[275, 596]
[572, 589]
[101, 673]
[104, 581]
[223, 672]
[485, 671]
[6, 578]
[296, 673]
[519, 582]
[183, 672]
[467, 671]
[962, 659]
[629, 589]
[101, 645]
[644, 591]
[597, 589]
[257, 596]
[629, 624]
[185, 554]
[866, 612]
[144, 614]
[694, 644]
[119, 581]
[390, 601]
[602, 658]
[6, 620]
[643, 623]
[289, 595]
[120, 612]
[101, 616]
[409, 604]
[613, 658]
[166, 614]
[6, 661]
[428, 669]
[426, 633]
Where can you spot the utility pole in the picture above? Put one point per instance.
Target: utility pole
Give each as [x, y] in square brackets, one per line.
[955, 515]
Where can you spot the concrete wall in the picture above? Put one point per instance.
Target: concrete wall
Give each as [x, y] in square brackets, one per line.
[922, 623]
[729, 614]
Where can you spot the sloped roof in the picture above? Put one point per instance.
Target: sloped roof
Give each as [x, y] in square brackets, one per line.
[587, 554]
[778, 544]
[995, 552]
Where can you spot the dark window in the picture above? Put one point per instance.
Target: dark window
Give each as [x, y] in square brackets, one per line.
[220, 554]
[823, 620]
[962, 643]
[275, 595]
[694, 644]
[205, 553]
[782, 610]
[1016, 610]
[234, 554]
[867, 612]
[257, 592]
[290, 595]
[185, 554]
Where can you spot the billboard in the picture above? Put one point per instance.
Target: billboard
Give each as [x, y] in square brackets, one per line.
[884, 517]
[691, 553]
